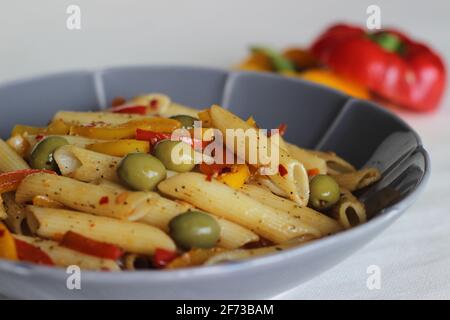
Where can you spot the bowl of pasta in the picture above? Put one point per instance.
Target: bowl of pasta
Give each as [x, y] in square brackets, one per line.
[159, 182]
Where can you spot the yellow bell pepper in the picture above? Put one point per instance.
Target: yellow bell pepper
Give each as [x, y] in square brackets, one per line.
[237, 177]
[56, 127]
[7, 244]
[120, 148]
[126, 130]
[21, 130]
[256, 62]
[330, 79]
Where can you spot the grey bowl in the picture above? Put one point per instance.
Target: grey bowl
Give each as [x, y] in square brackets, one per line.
[317, 117]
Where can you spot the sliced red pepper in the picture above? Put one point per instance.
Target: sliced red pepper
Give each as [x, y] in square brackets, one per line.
[30, 253]
[78, 242]
[154, 137]
[9, 181]
[163, 257]
[142, 110]
[151, 136]
[212, 170]
[282, 170]
[282, 129]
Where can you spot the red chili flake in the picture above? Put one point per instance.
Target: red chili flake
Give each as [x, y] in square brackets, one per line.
[154, 104]
[282, 129]
[2, 232]
[313, 172]
[104, 200]
[282, 170]
[39, 137]
[118, 101]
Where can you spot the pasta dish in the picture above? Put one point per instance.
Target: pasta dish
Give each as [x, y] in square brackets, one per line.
[152, 184]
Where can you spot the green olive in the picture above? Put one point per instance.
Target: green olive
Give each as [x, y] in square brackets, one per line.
[175, 155]
[186, 121]
[194, 229]
[324, 192]
[42, 155]
[141, 171]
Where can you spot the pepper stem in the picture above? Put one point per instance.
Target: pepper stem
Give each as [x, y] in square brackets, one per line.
[388, 41]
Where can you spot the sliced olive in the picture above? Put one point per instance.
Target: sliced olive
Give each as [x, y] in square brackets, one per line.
[42, 155]
[186, 121]
[141, 171]
[175, 155]
[324, 192]
[194, 229]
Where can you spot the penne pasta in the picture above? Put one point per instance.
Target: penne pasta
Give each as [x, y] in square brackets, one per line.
[242, 254]
[358, 179]
[313, 218]
[10, 160]
[86, 165]
[175, 109]
[88, 118]
[224, 201]
[65, 257]
[349, 211]
[309, 160]
[3, 214]
[15, 213]
[335, 164]
[95, 199]
[130, 236]
[231, 235]
[294, 181]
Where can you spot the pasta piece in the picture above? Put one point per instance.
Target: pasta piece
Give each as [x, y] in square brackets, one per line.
[231, 235]
[175, 109]
[291, 176]
[19, 144]
[99, 200]
[130, 236]
[242, 254]
[224, 201]
[64, 257]
[316, 219]
[308, 159]
[335, 164]
[194, 257]
[86, 165]
[86, 118]
[358, 179]
[10, 160]
[15, 214]
[349, 211]
[3, 214]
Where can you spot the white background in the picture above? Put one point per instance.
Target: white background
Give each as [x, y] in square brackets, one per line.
[413, 254]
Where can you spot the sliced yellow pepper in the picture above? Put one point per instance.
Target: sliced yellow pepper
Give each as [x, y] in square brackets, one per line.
[120, 148]
[21, 130]
[237, 177]
[126, 130]
[7, 244]
[330, 79]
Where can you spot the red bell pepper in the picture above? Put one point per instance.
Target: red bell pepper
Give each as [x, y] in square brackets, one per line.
[387, 62]
[78, 242]
[9, 181]
[142, 110]
[163, 257]
[30, 253]
[151, 136]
